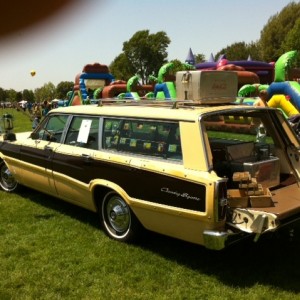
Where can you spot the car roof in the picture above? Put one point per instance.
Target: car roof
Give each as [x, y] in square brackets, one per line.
[189, 111]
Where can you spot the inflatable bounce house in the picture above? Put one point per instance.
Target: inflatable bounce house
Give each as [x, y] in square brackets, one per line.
[95, 82]
[248, 71]
[90, 83]
[165, 87]
[283, 91]
[132, 89]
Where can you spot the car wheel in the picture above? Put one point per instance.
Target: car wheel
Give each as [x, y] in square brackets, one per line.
[118, 220]
[7, 181]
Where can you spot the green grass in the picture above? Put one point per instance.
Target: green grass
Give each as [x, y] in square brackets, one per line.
[50, 249]
[21, 119]
[53, 250]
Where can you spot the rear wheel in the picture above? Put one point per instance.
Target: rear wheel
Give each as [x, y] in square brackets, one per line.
[7, 180]
[118, 220]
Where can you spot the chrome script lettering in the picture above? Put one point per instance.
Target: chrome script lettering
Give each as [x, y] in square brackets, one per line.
[182, 195]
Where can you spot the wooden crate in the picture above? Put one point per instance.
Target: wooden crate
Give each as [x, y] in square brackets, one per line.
[243, 177]
[237, 198]
[264, 200]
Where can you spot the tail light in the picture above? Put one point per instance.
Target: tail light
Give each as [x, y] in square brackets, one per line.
[221, 200]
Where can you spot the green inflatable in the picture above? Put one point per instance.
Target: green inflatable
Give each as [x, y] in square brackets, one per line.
[163, 71]
[282, 65]
[97, 93]
[248, 89]
[132, 82]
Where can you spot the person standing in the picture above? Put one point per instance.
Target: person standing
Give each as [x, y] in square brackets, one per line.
[263, 99]
[37, 114]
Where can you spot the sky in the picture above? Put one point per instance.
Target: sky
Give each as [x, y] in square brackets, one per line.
[90, 31]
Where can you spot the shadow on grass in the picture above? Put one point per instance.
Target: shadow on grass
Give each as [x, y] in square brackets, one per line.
[273, 260]
[60, 206]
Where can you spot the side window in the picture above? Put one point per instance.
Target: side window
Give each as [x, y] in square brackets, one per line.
[52, 128]
[111, 134]
[83, 132]
[154, 138]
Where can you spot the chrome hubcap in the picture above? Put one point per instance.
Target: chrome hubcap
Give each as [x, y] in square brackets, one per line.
[7, 180]
[118, 214]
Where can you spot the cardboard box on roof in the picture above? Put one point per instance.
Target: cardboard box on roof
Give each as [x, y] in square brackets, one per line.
[207, 86]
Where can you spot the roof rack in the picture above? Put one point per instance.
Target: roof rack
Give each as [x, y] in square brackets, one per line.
[152, 102]
[174, 104]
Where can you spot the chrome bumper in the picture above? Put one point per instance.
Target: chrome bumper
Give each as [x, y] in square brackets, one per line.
[215, 240]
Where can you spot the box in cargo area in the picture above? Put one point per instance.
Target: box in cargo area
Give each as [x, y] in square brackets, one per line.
[237, 198]
[207, 86]
[266, 171]
[264, 200]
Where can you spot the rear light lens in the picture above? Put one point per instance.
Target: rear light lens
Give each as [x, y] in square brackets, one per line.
[221, 200]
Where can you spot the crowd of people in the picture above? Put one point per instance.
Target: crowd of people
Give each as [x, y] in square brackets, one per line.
[36, 110]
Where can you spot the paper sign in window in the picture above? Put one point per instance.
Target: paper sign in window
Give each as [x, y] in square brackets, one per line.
[172, 148]
[84, 131]
[147, 145]
[132, 143]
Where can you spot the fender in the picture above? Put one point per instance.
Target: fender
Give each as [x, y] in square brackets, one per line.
[111, 185]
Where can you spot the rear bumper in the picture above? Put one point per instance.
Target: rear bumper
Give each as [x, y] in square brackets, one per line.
[218, 240]
[215, 240]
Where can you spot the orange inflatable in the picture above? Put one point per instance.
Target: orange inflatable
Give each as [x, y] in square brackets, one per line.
[244, 77]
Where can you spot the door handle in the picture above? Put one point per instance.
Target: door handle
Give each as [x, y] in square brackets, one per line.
[86, 157]
[48, 148]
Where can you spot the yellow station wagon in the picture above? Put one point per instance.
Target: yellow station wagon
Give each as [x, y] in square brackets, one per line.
[200, 170]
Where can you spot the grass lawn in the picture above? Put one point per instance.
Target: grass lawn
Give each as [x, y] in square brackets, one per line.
[21, 119]
[53, 250]
[50, 249]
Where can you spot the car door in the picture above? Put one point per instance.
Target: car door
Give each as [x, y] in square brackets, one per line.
[73, 162]
[37, 152]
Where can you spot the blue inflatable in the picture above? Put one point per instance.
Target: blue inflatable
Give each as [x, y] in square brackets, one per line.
[288, 88]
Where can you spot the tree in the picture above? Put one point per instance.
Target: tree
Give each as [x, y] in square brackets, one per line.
[177, 65]
[199, 58]
[274, 35]
[254, 51]
[292, 41]
[28, 95]
[241, 51]
[146, 53]
[63, 88]
[3, 95]
[121, 67]
[11, 95]
[46, 92]
[19, 96]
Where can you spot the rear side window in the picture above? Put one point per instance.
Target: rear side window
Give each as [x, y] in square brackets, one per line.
[152, 138]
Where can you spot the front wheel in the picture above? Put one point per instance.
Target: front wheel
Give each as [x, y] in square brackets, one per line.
[118, 220]
[7, 181]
